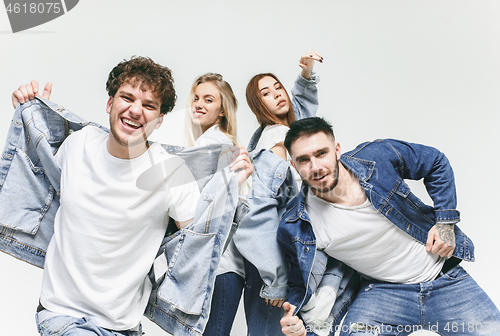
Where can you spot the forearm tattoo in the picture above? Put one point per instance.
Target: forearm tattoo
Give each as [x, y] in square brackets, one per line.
[446, 233]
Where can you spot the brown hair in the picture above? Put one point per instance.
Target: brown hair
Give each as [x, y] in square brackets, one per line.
[144, 71]
[258, 108]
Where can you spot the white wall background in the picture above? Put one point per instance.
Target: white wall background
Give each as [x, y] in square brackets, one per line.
[424, 71]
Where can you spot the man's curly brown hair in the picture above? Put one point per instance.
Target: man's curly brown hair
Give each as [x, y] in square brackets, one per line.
[147, 73]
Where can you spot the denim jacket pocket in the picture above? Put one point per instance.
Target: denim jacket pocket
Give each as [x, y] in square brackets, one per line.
[192, 252]
[35, 194]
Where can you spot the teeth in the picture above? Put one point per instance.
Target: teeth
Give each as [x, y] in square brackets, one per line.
[131, 123]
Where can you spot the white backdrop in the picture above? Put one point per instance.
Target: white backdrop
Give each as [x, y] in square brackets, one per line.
[424, 71]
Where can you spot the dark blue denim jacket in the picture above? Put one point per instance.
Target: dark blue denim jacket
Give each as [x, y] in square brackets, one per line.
[184, 271]
[381, 167]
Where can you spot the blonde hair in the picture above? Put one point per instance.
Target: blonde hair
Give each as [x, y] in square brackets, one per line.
[229, 105]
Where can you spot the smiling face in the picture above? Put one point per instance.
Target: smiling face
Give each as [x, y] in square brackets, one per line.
[316, 158]
[134, 112]
[274, 97]
[207, 106]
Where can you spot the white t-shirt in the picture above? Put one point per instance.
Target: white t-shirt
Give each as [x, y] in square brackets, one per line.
[107, 230]
[364, 239]
[270, 137]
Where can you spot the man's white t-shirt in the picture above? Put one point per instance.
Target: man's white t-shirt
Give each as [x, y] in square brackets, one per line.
[108, 230]
[364, 239]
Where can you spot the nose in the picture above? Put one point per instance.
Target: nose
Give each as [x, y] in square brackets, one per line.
[197, 104]
[277, 94]
[136, 108]
[315, 167]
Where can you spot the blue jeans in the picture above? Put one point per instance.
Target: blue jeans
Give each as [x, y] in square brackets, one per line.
[261, 319]
[451, 305]
[72, 326]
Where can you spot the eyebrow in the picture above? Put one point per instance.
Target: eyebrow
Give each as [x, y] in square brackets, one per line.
[305, 156]
[266, 87]
[146, 101]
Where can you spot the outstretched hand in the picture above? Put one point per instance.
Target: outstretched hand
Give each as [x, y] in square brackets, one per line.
[306, 62]
[29, 91]
[290, 324]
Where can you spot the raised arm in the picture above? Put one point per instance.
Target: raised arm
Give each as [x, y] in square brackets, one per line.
[306, 62]
[304, 92]
[29, 91]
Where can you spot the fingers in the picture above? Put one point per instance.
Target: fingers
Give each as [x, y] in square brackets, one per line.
[275, 303]
[22, 94]
[312, 55]
[442, 250]
[430, 239]
[307, 60]
[47, 91]
[289, 309]
[436, 246]
[28, 92]
[241, 163]
[32, 89]
[240, 157]
[291, 325]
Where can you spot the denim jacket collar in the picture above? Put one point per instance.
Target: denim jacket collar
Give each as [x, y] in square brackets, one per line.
[362, 169]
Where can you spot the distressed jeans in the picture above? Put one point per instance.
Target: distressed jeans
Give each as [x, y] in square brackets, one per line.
[451, 305]
[63, 325]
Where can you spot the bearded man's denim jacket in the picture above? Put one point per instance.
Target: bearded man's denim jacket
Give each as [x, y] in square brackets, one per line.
[183, 273]
[381, 167]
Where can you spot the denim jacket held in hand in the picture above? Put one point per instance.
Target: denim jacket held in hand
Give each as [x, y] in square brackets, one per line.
[273, 186]
[381, 167]
[184, 271]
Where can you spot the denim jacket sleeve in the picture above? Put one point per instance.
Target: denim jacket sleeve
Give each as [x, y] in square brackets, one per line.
[297, 290]
[419, 161]
[272, 186]
[415, 162]
[305, 96]
[30, 177]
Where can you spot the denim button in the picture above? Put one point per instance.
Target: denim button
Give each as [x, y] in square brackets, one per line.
[307, 249]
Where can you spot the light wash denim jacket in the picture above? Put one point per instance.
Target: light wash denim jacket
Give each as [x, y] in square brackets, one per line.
[183, 274]
[273, 185]
[381, 167]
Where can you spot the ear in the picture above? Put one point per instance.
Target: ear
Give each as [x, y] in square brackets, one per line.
[109, 104]
[337, 150]
[293, 164]
[159, 121]
[221, 113]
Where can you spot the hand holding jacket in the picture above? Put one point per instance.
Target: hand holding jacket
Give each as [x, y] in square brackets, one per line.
[29, 91]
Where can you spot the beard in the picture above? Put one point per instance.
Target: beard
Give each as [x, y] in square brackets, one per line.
[327, 187]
